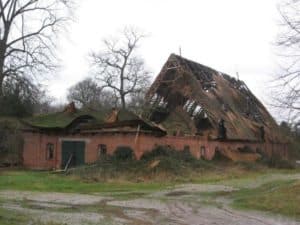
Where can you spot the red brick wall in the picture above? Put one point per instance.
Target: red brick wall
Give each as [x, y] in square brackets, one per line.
[35, 146]
[34, 152]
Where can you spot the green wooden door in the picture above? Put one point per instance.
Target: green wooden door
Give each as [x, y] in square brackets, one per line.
[75, 149]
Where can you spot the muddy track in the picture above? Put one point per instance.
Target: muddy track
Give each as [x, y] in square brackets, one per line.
[182, 205]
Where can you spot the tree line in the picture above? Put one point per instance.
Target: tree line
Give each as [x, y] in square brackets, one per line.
[30, 29]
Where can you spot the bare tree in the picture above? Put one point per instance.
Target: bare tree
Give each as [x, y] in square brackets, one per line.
[88, 94]
[137, 102]
[287, 83]
[27, 36]
[85, 93]
[119, 68]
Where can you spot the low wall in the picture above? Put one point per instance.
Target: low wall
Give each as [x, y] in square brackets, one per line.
[34, 154]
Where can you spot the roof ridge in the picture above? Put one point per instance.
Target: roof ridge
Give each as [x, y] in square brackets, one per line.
[199, 64]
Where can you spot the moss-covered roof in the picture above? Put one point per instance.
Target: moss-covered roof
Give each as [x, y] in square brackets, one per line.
[124, 115]
[60, 120]
[63, 119]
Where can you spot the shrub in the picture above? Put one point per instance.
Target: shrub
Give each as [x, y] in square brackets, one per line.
[277, 162]
[167, 151]
[124, 153]
[168, 164]
[246, 149]
[294, 150]
[157, 152]
[11, 144]
[186, 155]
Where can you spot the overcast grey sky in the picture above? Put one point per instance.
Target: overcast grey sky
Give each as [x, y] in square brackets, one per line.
[230, 36]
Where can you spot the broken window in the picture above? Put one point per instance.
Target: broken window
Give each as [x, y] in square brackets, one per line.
[186, 148]
[49, 151]
[202, 151]
[102, 150]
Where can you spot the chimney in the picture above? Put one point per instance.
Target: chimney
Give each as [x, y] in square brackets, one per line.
[70, 108]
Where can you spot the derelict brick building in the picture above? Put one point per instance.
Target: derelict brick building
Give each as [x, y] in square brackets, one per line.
[189, 106]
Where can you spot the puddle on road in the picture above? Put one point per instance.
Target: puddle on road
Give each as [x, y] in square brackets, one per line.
[177, 193]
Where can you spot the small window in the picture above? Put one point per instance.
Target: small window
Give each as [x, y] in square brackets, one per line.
[202, 150]
[102, 150]
[186, 148]
[50, 151]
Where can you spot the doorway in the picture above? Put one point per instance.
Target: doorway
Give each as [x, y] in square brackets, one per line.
[72, 153]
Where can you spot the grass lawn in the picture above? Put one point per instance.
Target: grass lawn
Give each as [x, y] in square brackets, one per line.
[49, 182]
[279, 197]
[45, 181]
[11, 217]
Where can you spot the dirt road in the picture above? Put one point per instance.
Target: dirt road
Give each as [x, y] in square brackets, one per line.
[184, 204]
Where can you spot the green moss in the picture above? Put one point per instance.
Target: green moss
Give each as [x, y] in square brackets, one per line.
[61, 119]
[124, 115]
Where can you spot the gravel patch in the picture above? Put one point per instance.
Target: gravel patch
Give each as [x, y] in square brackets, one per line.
[53, 197]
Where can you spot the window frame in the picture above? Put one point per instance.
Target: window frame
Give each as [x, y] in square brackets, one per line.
[50, 151]
[102, 150]
[202, 151]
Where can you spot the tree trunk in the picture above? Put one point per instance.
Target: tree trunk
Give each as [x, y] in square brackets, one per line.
[1, 76]
[2, 61]
[123, 101]
[1, 85]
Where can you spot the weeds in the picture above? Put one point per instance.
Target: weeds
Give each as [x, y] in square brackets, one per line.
[277, 197]
[161, 162]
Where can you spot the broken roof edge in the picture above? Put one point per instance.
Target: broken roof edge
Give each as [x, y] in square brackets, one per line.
[123, 117]
[139, 125]
[178, 57]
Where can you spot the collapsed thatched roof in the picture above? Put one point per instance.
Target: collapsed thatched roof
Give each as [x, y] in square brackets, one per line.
[122, 120]
[204, 96]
